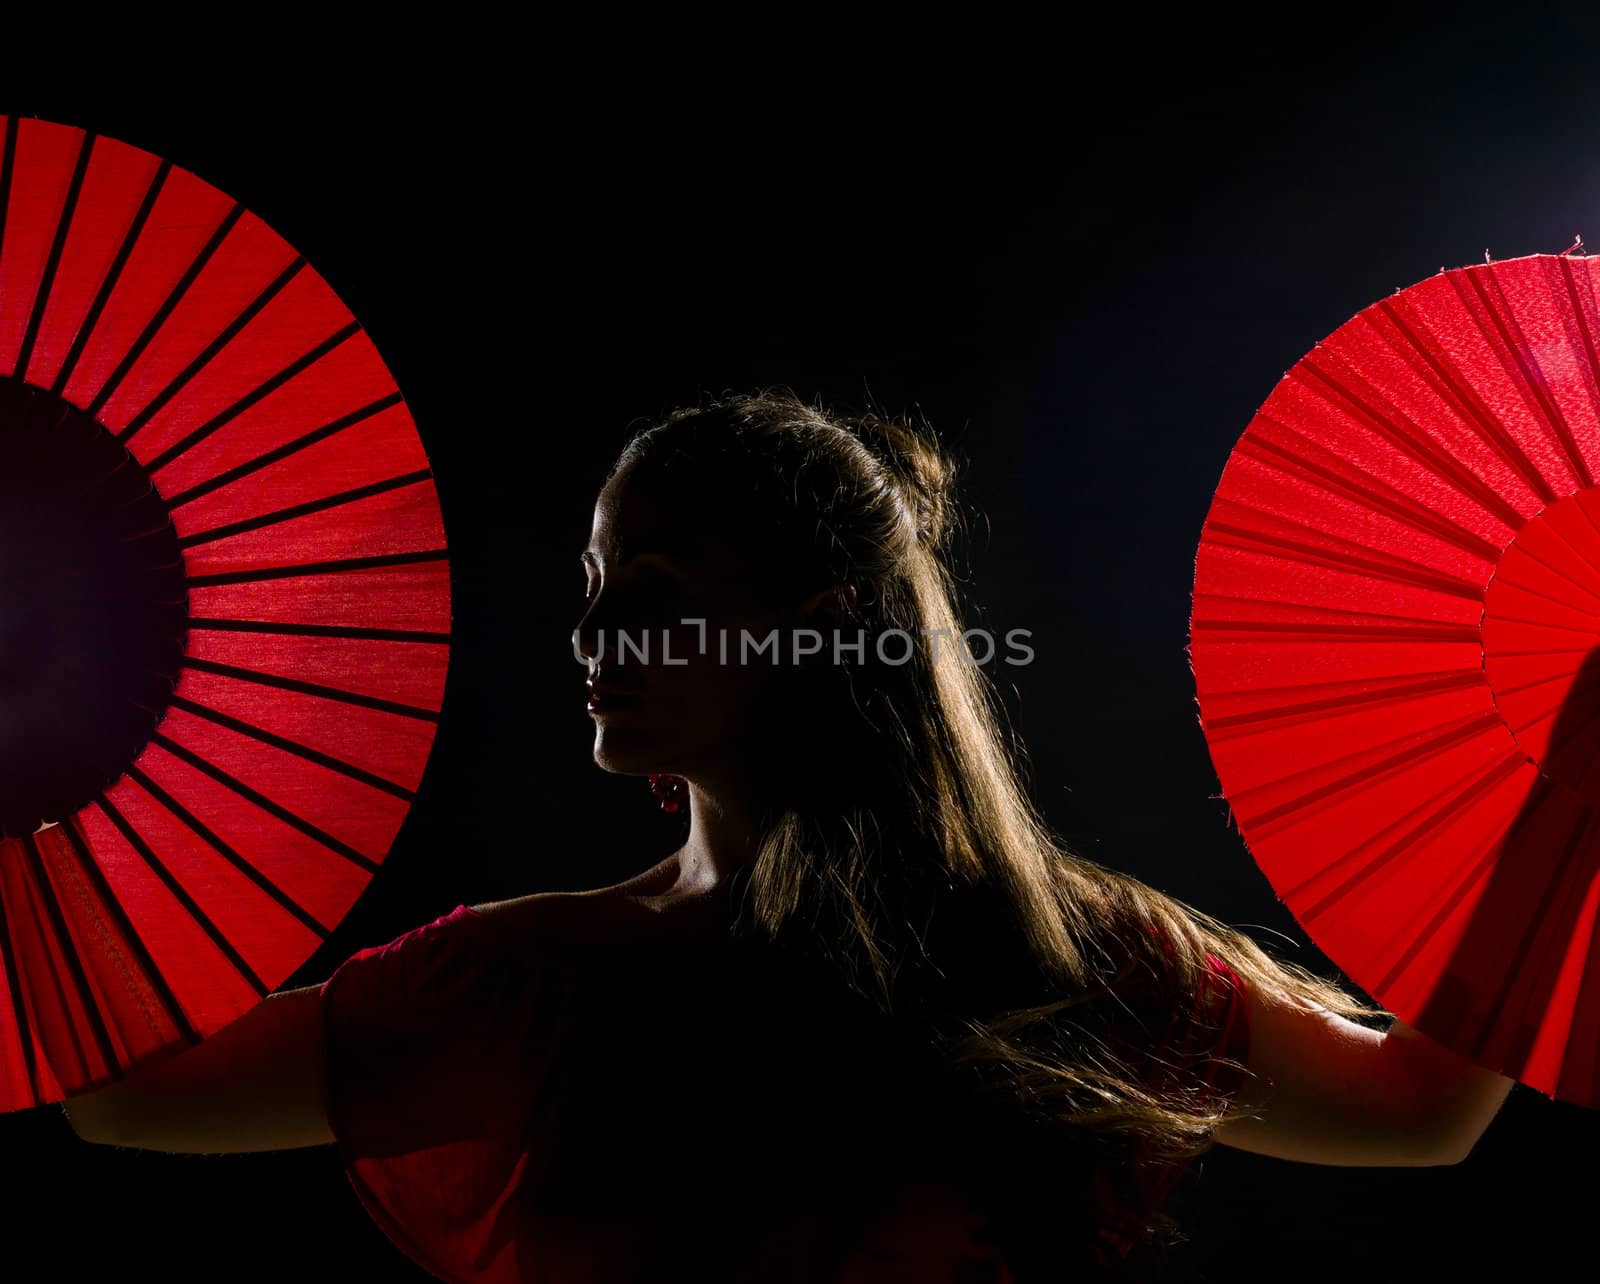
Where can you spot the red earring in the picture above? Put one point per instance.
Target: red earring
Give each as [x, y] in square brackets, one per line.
[672, 790]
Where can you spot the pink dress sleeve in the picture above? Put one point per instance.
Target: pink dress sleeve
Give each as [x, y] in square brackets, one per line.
[1224, 1003]
[436, 1043]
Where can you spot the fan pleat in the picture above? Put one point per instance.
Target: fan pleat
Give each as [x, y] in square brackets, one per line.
[110, 385]
[303, 569]
[392, 522]
[250, 433]
[179, 382]
[274, 809]
[80, 1001]
[411, 594]
[250, 396]
[311, 882]
[209, 975]
[122, 179]
[305, 509]
[144, 1003]
[295, 747]
[38, 167]
[245, 262]
[52, 262]
[389, 746]
[18, 1051]
[200, 843]
[396, 675]
[197, 623]
[1302, 462]
[311, 688]
[1258, 531]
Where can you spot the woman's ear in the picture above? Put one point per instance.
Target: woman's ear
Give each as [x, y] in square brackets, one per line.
[849, 606]
[834, 607]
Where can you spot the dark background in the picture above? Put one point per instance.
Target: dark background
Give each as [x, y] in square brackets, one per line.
[1086, 257]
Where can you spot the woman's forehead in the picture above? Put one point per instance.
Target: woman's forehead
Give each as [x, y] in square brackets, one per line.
[635, 516]
[629, 516]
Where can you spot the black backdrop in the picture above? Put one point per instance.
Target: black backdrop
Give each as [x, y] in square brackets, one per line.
[1086, 259]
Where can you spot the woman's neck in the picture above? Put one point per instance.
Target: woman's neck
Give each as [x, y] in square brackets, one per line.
[723, 837]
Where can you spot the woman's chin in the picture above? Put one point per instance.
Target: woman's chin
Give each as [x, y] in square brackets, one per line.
[625, 754]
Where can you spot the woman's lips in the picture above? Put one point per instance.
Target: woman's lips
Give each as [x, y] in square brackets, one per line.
[606, 699]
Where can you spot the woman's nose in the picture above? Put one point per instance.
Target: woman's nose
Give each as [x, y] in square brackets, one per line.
[586, 638]
[595, 636]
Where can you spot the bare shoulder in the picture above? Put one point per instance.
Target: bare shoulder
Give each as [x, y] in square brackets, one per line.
[598, 913]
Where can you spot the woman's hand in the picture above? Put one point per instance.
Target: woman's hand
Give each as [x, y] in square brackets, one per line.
[1330, 1091]
[256, 1084]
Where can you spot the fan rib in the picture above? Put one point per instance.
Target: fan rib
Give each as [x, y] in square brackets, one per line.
[1440, 741]
[283, 452]
[1517, 688]
[52, 262]
[1256, 541]
[311, 689]
[266, 804]
[262, 390]
[1395, 503]
[1516, 962]
[216, 841]
[147, 964]
[1402, 625]
[294, 747]
[1468, 404]
[113, 274]
[8, 158]
[137, 842]
[1511, 346]
[1406, 437]
[1572, 729]
[8, 952]
[1534, 935]
[1427, 816]
[1579, 555]
[306, 509]
[1351, 633]
[318, 568]
[176, 383]
[321, 630]
[80, 978]
[1577, 318]
[1594, 527]
[1420, 940]
[1528, 589]
[174, 297]
[1346, 701]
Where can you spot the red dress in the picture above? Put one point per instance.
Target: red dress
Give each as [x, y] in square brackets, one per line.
[505, 1119]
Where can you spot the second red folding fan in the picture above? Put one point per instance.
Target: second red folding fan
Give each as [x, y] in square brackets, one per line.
[226, 616]
[1396, 648]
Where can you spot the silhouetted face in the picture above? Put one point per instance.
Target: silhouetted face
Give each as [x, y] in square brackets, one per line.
[655, 565]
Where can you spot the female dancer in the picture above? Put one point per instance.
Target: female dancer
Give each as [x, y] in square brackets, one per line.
[872, 1021]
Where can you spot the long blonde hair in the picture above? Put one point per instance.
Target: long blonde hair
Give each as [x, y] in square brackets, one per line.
[900, 849]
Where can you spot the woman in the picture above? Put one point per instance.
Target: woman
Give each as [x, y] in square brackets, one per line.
[871, 1021]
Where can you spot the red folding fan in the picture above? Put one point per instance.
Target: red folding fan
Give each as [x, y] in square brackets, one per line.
[225, 626]
[1396, 648]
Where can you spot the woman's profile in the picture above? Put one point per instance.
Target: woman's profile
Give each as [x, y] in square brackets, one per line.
[873, 1020]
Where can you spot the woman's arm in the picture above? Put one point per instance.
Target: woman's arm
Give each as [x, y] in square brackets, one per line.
[1330, 1091]
[256, 1084]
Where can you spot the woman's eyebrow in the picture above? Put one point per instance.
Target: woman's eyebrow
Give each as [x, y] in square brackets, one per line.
[665, 560]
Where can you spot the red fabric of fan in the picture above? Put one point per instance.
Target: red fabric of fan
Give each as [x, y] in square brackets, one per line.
[227, 610]
[1394, 639]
